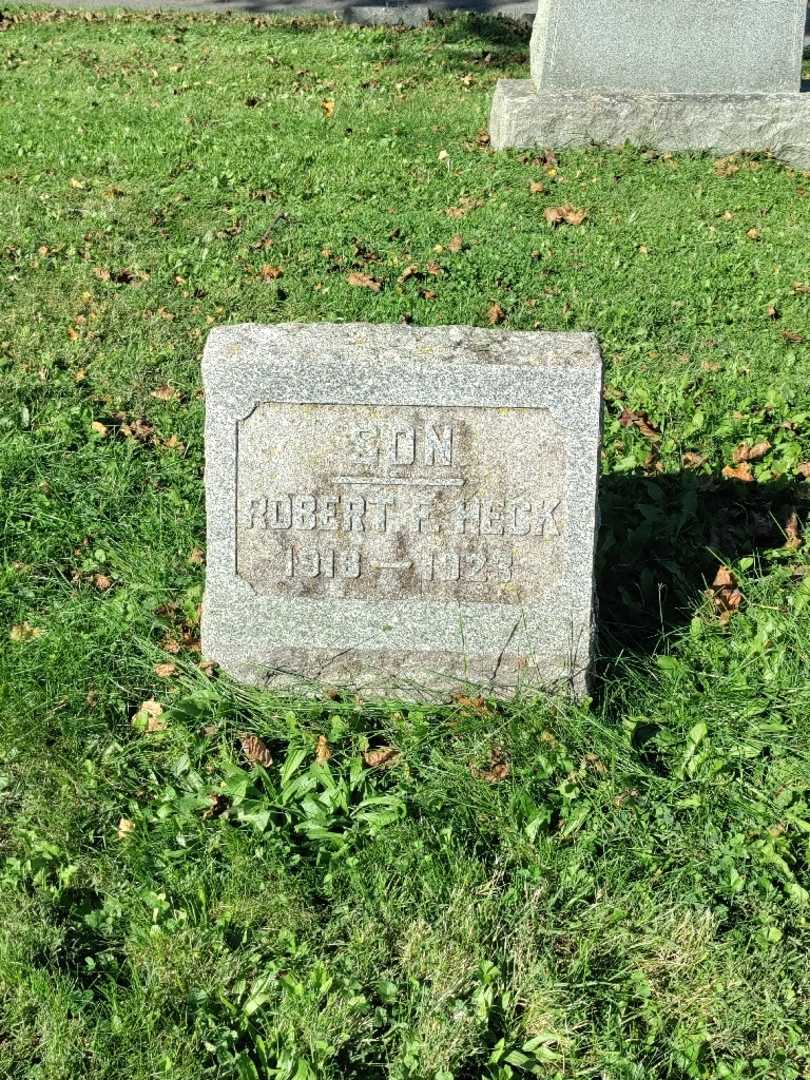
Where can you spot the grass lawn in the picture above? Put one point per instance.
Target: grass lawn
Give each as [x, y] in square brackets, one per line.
[616, 889]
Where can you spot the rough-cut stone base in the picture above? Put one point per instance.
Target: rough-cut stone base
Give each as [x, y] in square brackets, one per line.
[719, 123]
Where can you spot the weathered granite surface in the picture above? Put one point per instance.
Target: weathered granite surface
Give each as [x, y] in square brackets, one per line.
[669, 46]
[723, 124]
[398, 510]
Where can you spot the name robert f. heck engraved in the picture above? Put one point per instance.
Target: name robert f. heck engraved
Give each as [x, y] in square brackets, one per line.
[392, 513]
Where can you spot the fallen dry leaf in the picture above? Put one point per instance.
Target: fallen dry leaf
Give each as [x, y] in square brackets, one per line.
[197, 557]
[465, 204]
[99, 428]
[741, 472]
[456, 244]
[692, 460]
[793, 531]
[125, 828]
[727, 166]
[328, 108]
[495, 314]
[537, 187]
[270, 273]
[165, 393]
[754, 234]
[322, 750]
[724, 594]
[149, 717]
[363, 281]
[801, 288]
[792, 337]
[255, 750]
[640, 420]
[165, 670]
[78, 184]
[219, 805]
[381, 757]
[474, 704]
[804, 469]
[25, 631]
[102, 582]
[498, 768]
[411, 270]
[564, 215]
[744, 452]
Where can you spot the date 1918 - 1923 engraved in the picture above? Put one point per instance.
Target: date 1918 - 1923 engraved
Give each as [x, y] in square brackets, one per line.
[427, 565]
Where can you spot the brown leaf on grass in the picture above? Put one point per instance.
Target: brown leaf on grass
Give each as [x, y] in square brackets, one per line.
[564, 215]
[754, 234]
[149, 717]
[99, 428]
[772, 312]
[125, 828]
[724, 594]
[25, 631]
[692, 460]
[270, 273]
[197, 557]
[165, 393]
[740, 472]
[640, 420]
[801, 288]
[428, 294]
[792, 337]
[411, 270]
[793, 531]
[745, 452]
[79, 185]
[381, 757]
[165, 670]
[804, 469]
[363, 281]
[101, 273]
[727, 166]
[537, 187]
[474, 704]
[126, 276]
[328, 108]
[482, 138]
[456, 244]
[465, 204]
[220, 804]
[495, 314]
[498, 768]
[323, 751]
[102, 582]
[255, 750]
[136, 429]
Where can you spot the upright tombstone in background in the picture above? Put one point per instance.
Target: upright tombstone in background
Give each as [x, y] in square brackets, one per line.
[716, 75]
[401, 511]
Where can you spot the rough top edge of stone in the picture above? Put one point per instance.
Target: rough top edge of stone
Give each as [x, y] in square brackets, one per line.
[235, 344]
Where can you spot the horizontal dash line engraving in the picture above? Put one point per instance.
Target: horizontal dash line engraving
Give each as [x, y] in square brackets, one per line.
[402, 481]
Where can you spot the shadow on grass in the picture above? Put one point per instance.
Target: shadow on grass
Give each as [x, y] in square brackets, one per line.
[662, 538]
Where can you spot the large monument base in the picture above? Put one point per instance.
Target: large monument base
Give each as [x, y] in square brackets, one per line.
[523, 117]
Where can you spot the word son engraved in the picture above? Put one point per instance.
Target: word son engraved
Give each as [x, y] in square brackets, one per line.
[351, 501]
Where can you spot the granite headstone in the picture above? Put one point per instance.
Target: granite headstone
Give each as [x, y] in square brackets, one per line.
[715, 75]
[401, 511]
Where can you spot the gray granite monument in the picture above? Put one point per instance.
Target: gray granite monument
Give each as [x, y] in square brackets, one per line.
[401, 511]
[714, 75]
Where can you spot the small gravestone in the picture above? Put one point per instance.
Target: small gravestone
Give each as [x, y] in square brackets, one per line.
[401, 511]
[717, 75]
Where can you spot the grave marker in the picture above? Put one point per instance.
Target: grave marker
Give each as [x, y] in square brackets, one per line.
[400, 510]
[718, 75]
